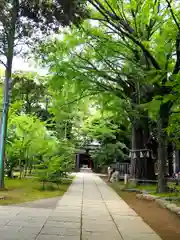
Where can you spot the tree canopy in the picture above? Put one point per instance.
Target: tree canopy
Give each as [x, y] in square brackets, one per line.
[129, 50]
[113, 78]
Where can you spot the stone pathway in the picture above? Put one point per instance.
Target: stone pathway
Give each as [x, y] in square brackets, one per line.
[90, 210]
[47, 203]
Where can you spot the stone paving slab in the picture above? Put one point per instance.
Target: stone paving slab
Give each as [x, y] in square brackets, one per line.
[47, 203]
[140, 236]
[101, 235]
[61, 230]
[53, 237]
[17, 236]
[63, 224]
[63, 219]
[89, 210]
[114, 218]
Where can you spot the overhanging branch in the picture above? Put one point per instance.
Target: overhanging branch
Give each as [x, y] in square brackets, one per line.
[3, 63]
[79, 98]
[173, 14]
[127, 32]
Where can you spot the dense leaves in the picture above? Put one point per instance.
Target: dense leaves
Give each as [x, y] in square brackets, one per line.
[25, 22]
[111, 134]
[129, 49]
[113, 80]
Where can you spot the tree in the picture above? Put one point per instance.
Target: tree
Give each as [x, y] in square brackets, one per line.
[32, 91]
[141, 28]
[69, 106]
[27, 137]
[20, 22]
[111, 133]
[97, 70]
[130, 48]
[29, 88]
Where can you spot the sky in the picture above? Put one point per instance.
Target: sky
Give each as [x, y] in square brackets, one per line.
[20, 64]
[24, 65]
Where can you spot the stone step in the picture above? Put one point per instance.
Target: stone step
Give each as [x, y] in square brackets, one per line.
[86, 170]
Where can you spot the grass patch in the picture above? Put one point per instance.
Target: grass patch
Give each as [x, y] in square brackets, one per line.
[142, 187]
[119, 186]
[25, 190]
[36, 172]
[176, 202]
[151, 188]
[167, 195]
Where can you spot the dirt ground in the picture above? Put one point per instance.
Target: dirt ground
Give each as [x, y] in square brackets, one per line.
[163, 222]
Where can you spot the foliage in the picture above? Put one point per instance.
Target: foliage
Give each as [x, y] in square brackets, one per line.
[114, 58]
[126, 50]
[26, 22]
[29, 88]
[62, 161]
[23, 19]
[29, 143]
[58, 165]
[69, 106]
[122, 65]
[27, 139]
[111, 132]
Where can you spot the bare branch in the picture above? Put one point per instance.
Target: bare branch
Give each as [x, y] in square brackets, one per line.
[177, 65]
[105, 87]
[127, 33]
[173, 15]
[113, 15]
[79, 98]
[3, 63]
[175, 111]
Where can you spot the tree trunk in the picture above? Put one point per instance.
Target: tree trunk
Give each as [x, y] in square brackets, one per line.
[9, 56]
[150, 169]
[27, 105]
[30, 167]
[170, 160]
[25, 170]
[4, 119]
[162, 158]
[141, 168]
[137, 143]
[10, 172]
[69, 130]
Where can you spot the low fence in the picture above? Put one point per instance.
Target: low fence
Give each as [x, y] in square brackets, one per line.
[123, 168]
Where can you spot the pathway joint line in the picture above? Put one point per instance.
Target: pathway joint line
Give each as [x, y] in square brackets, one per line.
[108, 210]
[43, 225]
[90, 209]
[82, 203]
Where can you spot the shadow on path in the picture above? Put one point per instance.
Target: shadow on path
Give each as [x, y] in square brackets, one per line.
[47, 203]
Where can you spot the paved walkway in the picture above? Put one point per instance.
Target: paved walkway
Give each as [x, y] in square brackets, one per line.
[47, 203]
[90, 210]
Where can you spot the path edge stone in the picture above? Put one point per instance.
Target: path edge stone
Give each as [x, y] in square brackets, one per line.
[172, 207]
